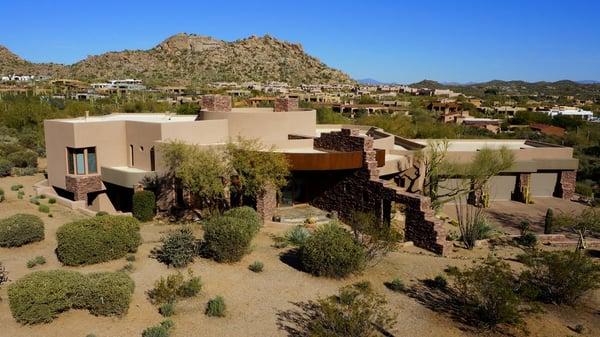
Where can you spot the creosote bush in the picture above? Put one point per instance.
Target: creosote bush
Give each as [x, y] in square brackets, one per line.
[161, 330]
[357, 310]
[97, 239]
[227, 238]
[21, 229]
[561, 277]
[167, 309]
[143, 205]
[36, 261]
[169, 289]
[332, 251]
[44, 208]
[256, 266]
[215, 307]
[40, 296]
[178, 248]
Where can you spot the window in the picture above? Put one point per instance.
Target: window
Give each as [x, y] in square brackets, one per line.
[152, 159]
[82, 161]
[131, 155]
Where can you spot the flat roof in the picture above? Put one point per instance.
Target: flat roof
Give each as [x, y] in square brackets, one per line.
[134, 117]
[458, 145]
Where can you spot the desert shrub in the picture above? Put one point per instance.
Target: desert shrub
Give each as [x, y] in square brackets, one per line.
[25, 158]
[248, 215]
[52, 200]
[487, 292]
[472, 224]
[215, 307]
[355, 311]
[34, 200]
[161, 330]
[144, 205]
[178, 248]
[2, 197]
[20, 195]
[6, 167]
[377, 238]
[101, 213]
[297, 235]
[36, 261]
[331, 251]
[169, 289]
[524, 227]
[579, 328]
[438, 282]
[42, 196]
[227, 239]
[16, 187]
[24, 171]
[3, 274]
[559, 277]
[167, 309]
[21, 229]
[256, 266]
[128, 268]
[396, 285]
[40, 296]
[584, 189]
[130, 257]
[44, 208]
[528, 239]
[97, 239]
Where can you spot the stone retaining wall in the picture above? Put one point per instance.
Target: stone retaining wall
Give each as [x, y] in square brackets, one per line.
[80, 186]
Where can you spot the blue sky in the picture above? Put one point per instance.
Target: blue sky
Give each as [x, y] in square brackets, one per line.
[403, 41]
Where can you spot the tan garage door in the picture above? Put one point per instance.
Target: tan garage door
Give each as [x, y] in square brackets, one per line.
[501, 187]
[542, 184]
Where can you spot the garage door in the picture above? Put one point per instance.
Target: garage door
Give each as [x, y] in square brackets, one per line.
[501, 187]
[542, 184]
[450, 185]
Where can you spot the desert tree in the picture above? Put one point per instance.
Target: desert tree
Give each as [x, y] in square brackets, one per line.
[584, 223]
[255, 167]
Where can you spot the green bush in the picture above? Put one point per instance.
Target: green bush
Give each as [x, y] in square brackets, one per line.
[584, 189]
[216, 307]
[42, 196]
[169, 289]
[16, 187]
[559, 277]
[438, 282]
[24, 171]
[331, 251]
[97, 239]
[34, 200]
[161, 330]
[528, 239]
[248, 214]
[52, 201]
[130, 257]
[101, 213]
[396, 285]
[227, 239]
[256, 266]
[487, 292]
[6, 167]
[178, 248]
[2, 197]
[44, 208]
[167, 309]
[25, 158]
[21, 229]
[297, 235]
[144, 205]
[40, 296]
[36, 261]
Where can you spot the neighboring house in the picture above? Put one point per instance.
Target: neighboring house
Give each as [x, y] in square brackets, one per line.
[99, 161]
[549, 130]
[570, 112]
[492, 125]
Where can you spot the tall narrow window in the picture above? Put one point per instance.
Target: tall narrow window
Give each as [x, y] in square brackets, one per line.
[80, 161]
[70, 161]
[91, 160]
[152, 160]
[131, 155]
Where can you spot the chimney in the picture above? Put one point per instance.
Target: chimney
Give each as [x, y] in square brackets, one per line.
[217, 103]
[286, 104]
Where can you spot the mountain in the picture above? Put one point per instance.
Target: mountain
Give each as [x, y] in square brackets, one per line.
[369, 81]
[588, 82]
[190, 59]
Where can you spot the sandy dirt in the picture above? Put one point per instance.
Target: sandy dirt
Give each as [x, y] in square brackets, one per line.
[253, 299]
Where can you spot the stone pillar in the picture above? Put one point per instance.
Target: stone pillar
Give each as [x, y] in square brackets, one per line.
[218, 103]
[266, 203]
[286, 104]
[521, 192]
[565, 184]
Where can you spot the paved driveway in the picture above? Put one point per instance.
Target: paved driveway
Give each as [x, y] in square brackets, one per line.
[507, 215]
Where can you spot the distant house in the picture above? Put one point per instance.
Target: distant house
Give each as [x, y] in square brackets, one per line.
[549, 130]
[492, 125]
[569, 111]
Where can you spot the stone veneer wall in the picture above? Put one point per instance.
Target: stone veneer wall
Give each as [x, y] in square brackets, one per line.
[521, 186]
[363, 191]
[565, 184]
[220, 103]
[285, 104]
[80, 186]
[266, 203]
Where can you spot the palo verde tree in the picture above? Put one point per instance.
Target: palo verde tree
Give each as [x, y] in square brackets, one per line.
[433, 167]
[255, 167]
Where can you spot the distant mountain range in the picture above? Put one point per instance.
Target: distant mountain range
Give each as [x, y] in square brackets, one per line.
[190, 59]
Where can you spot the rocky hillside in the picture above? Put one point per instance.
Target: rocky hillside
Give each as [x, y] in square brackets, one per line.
[191, 59]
